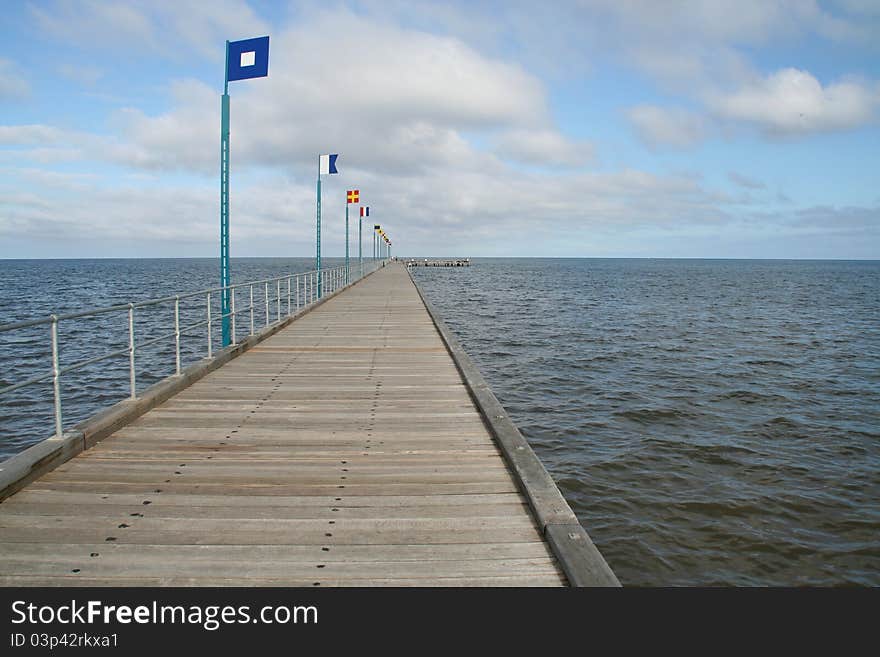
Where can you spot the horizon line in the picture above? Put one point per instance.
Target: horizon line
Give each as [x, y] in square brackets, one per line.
[423, 257]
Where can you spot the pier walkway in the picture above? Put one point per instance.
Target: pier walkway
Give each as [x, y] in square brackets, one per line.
[345, 450]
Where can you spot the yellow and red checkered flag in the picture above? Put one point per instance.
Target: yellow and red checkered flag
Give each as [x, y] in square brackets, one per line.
[354, 195]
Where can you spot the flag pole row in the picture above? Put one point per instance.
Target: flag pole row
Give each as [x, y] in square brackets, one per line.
[246, 59]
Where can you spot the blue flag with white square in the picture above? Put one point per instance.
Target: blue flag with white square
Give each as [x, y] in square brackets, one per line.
[248, 58]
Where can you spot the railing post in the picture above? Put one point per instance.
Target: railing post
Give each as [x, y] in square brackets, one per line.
[56, 378]
[131, 375]
[232, 312]
[209, 324]
[267, 303]
[252, 309]
[296, 278]
[288, 295]
[278, 300]
[177, 335]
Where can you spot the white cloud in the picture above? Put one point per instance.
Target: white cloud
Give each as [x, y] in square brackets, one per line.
[186, 138]
[543, 148]
[49, 144]
[387, 98]
[728, 22]
[745, 181]
[95, 23]
[393, 73]
[787, 103]
[166, 27]
[13, 85]
[29, 135]
[456, 211]
[792, 101]
[431, 128]
[83, 74]
[860, 7]
[667, 127]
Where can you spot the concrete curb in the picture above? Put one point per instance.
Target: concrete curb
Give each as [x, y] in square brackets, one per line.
[581, 561]
[21, 469]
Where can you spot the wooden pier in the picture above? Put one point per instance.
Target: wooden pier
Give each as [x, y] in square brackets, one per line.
[357, 446]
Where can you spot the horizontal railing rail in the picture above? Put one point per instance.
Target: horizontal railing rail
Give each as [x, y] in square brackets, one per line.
[295, 291]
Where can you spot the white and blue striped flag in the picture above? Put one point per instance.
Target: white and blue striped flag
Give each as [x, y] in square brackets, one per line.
[327, 163]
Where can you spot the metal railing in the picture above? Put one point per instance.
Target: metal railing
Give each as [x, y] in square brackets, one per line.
[298, 290]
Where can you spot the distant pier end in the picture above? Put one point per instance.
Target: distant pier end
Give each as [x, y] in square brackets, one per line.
[425, 262]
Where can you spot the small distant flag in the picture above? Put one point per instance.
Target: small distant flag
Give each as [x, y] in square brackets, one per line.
[327, 163]
[353, 195]
[248, 58]
[365, 210]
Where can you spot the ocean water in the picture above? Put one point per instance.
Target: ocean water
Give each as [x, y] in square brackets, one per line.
[710, 422]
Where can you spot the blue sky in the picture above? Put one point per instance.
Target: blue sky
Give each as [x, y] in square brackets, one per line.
[596, 128]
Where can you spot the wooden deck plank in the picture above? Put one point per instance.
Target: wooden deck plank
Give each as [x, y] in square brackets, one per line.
[229, 535]
[247, 568]
[220, 554]
[514, 580]
[74, 499]
[122, 512]
[412, 490]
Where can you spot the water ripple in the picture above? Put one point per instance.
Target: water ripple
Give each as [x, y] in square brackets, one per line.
[710, 422]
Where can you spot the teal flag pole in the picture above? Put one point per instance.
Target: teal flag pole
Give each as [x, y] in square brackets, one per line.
[248, 58]
[318, 236]
[346, 242]
[225, 280]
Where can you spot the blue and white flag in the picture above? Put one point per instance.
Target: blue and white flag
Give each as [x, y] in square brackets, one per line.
[248, 58]
[327, 163]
